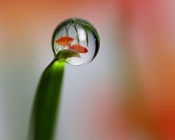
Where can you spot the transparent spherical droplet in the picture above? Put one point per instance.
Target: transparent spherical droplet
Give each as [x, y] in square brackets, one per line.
[76, 41]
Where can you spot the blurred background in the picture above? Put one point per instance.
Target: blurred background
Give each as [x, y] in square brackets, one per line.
[126, 93]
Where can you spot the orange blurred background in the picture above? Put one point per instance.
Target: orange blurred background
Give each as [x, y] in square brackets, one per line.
[126, 93]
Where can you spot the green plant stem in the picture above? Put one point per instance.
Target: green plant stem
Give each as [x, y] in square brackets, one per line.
[47, 101]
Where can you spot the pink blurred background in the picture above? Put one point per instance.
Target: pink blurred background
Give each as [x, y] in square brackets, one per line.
[126, 93]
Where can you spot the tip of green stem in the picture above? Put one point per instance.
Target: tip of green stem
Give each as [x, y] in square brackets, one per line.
[63, 55]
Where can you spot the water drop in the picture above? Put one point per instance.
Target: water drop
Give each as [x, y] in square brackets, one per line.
[76, 41]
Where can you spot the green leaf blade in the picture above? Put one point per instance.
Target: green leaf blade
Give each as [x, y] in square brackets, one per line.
[46, 102]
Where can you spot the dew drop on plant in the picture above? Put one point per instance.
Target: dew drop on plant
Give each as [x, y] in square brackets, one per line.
[76, 41]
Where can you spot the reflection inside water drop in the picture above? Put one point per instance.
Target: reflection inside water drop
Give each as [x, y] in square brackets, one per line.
[76, 41]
